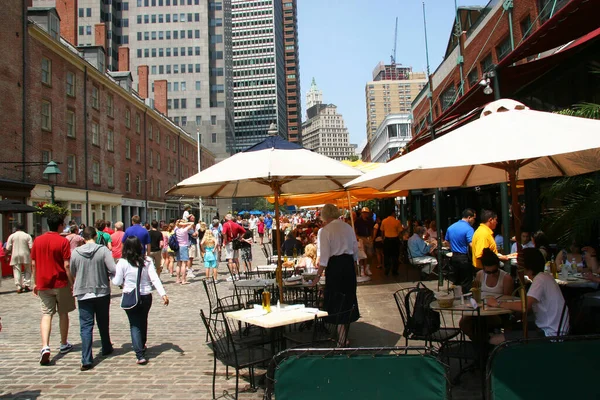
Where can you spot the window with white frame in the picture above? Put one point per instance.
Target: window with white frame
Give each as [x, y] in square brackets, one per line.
[46, 115]
[150, 132]
[96, 172]
[46, 71]
[110, 171]
[138, 185]
[110, 108]
[127, 182]
[138, 153]
[71, 168]
[128, 148]
[70, 84]
[95, 134]
[110, 140]
[70, 117]
[151, 162]
[128, 118]
[137, 123]
[158, 161]
[95, 97]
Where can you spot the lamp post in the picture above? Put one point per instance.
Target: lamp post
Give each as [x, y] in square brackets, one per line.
[52, 169]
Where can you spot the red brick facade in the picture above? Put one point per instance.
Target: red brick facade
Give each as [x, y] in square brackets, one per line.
[476, 50]
[67, 11]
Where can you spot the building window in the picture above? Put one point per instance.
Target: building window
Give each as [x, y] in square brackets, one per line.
[46, 71]
[137, 123]
[487, 64]
[151, 162]
[95, 98]
[95, 134]
[158, 161]
[70, 84]
[213, 119]
[70, 117]
[111, 176]
[138, 153]
[128, 148]
[158, 191]
[127, 182]
[71, 168]
[46, 115]
[448, 97]
[473, 77]
[503, 49]
[214, 137]
[138, 184]
[150, 132]
[128, 118]
[158, 136]
[526, 26]
[168, 143]
[96, 172]
[110, 105]
[110, 140]
[198, 102]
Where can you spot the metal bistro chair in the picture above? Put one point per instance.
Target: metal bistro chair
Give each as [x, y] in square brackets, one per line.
[210, 287]
[231, 354]
[418, 265]
[405, 298]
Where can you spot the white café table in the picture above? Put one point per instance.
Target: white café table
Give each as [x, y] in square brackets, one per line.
[275, 319]
[272, 268]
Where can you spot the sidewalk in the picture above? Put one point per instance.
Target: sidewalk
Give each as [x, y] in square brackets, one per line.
[180, 363]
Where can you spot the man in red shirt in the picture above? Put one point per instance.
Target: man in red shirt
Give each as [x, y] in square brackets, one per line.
[232, 231]
[107, 229]
[50, 257]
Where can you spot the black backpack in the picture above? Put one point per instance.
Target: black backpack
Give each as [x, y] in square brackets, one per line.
[423, 321]
[101, 240]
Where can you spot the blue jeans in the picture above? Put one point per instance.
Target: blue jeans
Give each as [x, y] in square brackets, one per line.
[98, 307]
[138, 324]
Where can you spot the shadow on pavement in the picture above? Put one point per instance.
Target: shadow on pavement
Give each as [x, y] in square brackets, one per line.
[363, 334]
[28, 394]
[155, 351]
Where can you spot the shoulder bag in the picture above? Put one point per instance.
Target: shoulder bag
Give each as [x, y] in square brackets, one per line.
[131, 299]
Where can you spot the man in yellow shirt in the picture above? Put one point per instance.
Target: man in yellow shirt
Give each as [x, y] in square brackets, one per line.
[391, 228]
[484, 237]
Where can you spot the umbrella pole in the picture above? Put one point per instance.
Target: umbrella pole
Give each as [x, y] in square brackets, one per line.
[516, 211]
[276, 188]
[350, 208]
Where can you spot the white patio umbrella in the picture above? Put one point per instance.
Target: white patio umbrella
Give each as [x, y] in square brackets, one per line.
[507, 143]
[271, 167]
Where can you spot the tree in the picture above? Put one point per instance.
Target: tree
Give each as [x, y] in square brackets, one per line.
[577, 215]
[353, 158]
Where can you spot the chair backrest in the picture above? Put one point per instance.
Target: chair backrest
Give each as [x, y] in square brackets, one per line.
[376, 373]
[211, 293]
[538, 360]
[399, 296]
[266, 252]
[220, 337]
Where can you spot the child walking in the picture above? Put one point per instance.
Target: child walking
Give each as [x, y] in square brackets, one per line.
[208, 244]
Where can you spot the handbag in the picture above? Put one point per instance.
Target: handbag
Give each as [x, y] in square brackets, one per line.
[130, 300]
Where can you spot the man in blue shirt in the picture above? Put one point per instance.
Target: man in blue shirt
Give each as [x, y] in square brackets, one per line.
[459, 236]
[420, 252]
[268, 226]
[140, 232]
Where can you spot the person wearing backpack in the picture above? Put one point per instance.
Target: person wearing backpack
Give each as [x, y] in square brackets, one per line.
[102, 238]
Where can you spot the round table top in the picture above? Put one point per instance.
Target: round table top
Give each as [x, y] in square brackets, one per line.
[466, 307]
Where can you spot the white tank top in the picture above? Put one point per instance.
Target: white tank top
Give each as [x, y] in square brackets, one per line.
[498, 289]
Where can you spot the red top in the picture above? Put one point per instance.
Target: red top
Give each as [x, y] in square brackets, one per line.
[108, 230]
[117, 245]
[231, 230]
[261, 227]
[49, 252]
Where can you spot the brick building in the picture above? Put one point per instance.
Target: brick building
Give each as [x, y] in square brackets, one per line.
[117, 155]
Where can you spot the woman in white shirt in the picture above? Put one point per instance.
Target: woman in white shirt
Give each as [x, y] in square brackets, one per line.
[338, 252]
[544, 298]
[127, 272]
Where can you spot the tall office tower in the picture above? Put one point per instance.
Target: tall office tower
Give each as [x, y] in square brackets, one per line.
[186, 43]
[292, 70]
[324, 130]
[391, 91]
[258, 70]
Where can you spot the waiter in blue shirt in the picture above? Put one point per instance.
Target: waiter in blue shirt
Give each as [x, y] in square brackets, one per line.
[459, 236]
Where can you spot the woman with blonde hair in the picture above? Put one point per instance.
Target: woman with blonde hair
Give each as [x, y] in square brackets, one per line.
[309, 260]
[208, 245]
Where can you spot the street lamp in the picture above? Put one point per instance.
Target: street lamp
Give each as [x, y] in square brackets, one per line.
[52, 169]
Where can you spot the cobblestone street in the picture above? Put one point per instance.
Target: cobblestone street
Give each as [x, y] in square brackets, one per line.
[180, 363]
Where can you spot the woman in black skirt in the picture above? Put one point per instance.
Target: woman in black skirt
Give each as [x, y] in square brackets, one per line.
[338, 252]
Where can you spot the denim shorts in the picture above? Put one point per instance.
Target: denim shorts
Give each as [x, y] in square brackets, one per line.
[182, 254]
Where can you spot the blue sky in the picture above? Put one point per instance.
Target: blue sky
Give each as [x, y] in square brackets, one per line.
[341, 42]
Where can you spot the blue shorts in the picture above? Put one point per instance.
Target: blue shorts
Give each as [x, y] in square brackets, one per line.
[210, 264]
[182, 254]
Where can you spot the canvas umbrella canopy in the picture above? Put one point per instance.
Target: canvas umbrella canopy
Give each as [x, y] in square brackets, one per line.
[270, 167]
[509, 142]
[14, 206]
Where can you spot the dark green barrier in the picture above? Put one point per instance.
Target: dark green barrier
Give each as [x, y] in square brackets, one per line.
[360, 376]
[546, 369]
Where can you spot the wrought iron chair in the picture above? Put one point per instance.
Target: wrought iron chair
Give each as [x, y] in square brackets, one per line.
[231, 354]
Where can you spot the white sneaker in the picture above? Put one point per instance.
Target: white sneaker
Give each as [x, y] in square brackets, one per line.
[368, 270]
[362, 272]
[190, 274]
